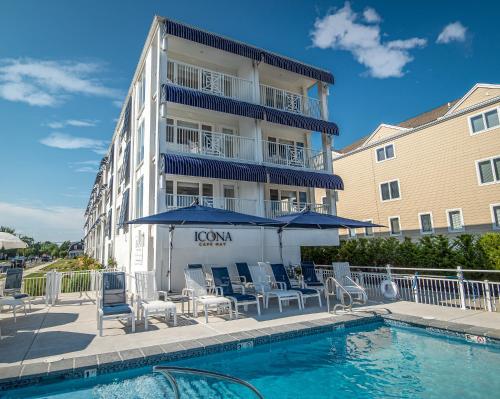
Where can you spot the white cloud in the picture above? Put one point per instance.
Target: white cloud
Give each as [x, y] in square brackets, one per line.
[67, 142]
[344, 30]
[90, 166]
[371, 16]
[72, 122]
[49, 83]
[56, 223]
[454, 32]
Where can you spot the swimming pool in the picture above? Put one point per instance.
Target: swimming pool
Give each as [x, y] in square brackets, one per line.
[370, 361]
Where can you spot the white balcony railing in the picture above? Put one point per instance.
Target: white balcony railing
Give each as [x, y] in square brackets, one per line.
[289, 101]
[274, 209]
[241, 205]
[208, 81]
[198, 141]
[292, 155]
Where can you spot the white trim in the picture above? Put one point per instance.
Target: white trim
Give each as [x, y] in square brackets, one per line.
[384, 147]
[476, 86]
[390, 226]
[351, 236]
[391, 199]
[447, 213]
[493, 225]
[402, 129]
[478, 172]
[364, 229]
[420, 223]
[482, 113]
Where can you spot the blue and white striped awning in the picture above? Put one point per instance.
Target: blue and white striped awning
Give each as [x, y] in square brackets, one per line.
[215, 168]
[235, 47]
[304, 178]
[194, 98]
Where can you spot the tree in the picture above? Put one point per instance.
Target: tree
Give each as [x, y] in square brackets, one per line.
[5, 229]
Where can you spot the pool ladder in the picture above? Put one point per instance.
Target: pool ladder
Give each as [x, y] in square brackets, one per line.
[168, 372]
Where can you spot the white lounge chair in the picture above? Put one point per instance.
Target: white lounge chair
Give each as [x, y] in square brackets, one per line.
[264, 286]
[148, 299]
[208, 297]
[343, 277]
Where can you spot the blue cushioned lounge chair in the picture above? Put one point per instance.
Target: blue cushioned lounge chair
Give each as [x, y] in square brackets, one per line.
[309, 276]
[113, 300]
[244, 274]
[222, 281]
[281, 276]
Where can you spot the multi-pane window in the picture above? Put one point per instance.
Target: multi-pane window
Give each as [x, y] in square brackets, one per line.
[455, 220]
[384, 153]
[369, 230]
[495, 214]
[489, 170]
[141, 91]
[352, 233]
[139, 198]
[485, 121]
[140, 144]
[389, 190]
[426, 223]
[394, 226]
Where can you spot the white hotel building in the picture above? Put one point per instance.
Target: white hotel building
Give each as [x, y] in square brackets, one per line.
[217, 120]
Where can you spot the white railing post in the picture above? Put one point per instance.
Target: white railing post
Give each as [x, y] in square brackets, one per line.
[415, 288]
[487, 296]
[461, 289]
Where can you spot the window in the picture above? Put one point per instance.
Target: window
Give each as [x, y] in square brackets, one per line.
[141, 91]
[390, 190]
[489, 170]
[425, 220]
[394, 225]
[455, 220]
[139, 198]
[369, 230]
[140, 145]
[485, 121]
[384, 153]
[352, 233]
[495, 216]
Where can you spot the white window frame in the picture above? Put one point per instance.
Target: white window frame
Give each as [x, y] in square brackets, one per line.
[494, 227]
[478, 172]
[450, 229]
[483, 113]
[351, 233]
[384, 147]
[420, 223]
[364, 229]
[139, 162]
[137, 201]
[389, 182]
[390, 226]
[141, 91]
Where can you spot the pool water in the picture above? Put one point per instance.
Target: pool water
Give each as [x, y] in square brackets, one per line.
[370, 361]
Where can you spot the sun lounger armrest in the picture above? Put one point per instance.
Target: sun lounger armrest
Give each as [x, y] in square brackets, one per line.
[260, 287]
[215, 291]
[281, 285]
[188, 292]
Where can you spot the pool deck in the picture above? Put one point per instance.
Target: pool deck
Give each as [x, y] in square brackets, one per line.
[51, 341]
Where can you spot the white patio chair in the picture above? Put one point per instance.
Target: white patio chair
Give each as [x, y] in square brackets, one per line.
[343, 277]
[148, 299]
[261, 278]
[208, 297]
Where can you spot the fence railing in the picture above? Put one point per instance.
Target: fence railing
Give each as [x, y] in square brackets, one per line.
[199, 141]
[242, 205]
[292, 155]
[274, 209]
[452, 289]
[289, 101]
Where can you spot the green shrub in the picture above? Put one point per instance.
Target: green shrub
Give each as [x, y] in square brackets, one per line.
[490, 247]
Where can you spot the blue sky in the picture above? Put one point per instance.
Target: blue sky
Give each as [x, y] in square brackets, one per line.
[65, 67]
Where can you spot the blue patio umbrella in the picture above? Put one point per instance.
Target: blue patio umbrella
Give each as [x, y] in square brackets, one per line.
[308, 219]
[200, 215]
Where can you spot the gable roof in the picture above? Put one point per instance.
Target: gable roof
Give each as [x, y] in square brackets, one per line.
[476, 86]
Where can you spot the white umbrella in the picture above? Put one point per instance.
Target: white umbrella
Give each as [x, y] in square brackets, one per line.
[10, 241]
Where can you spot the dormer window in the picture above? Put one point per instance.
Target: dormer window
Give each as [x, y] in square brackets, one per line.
[385, 153]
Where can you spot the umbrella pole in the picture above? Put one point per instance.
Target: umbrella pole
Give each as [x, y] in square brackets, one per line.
[280, 239]
[171, 248]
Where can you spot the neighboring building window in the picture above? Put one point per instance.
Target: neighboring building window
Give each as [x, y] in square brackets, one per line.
[389, 190]
[395, 226]
[455, 220]
[369, 230]
[140, 144]
[426, 223]
[384, 153]
[352, 233]
[141, 91]
[489, 170]
[485, 121]
[495, 216]
[139, 198]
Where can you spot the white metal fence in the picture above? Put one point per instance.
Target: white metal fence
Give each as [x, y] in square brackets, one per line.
[451, 289]
[292, 155]
[274, 208]
[289, 101]
[241, 205]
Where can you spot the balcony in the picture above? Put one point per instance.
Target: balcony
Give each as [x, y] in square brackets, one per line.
[241, 205]
[274, 209]
[292, 155]
[202, 142]
[208, 81]
[290, 102]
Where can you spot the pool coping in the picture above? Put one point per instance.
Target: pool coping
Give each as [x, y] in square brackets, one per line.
[92, 365]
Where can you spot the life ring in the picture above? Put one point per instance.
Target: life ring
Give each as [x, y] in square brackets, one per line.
[389, 289]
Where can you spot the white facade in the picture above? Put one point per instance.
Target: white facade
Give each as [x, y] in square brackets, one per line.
[156, 127]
